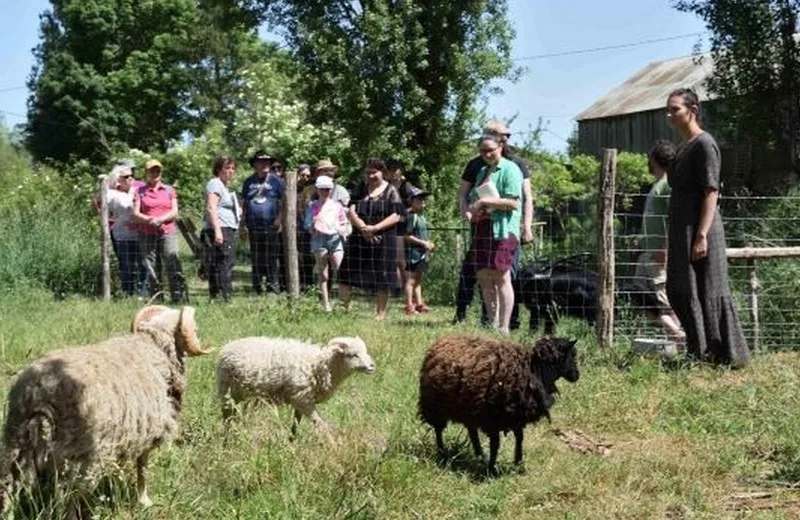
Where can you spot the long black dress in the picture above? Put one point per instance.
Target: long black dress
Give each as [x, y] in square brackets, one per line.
[372, 265]
[698, 291]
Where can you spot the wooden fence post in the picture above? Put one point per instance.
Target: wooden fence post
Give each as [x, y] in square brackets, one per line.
[290, 235]
[605, 249]
[105, 237]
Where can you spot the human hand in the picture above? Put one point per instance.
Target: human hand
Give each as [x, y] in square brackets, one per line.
[429, 246]
[153, 221]
[218, 239]
[476, 206]
[660, 257]
[467, 216]
[527, 236]
[699, 248]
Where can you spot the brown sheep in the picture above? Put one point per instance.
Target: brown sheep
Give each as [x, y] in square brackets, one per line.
[492, 384]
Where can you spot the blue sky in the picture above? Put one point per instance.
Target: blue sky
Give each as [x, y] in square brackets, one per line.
[555, 88]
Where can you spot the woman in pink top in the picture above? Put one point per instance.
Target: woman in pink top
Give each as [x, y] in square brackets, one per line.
[326, 219]
[155, 208]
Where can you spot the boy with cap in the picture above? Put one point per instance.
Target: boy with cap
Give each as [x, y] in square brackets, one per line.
[417, 248]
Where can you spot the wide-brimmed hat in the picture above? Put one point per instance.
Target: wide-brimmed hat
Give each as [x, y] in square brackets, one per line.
[325, 164]
[260, 155]
[324, 182]
[153, 163]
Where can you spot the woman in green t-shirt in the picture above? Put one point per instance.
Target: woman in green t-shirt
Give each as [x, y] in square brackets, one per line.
[495, 211]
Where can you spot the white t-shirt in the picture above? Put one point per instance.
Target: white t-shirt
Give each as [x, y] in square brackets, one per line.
[120, 208]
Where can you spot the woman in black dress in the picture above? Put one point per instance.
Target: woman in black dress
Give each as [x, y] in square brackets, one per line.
[697, 266]
[370, 258]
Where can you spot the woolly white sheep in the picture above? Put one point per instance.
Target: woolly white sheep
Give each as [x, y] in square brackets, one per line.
[289, 371]
[74, 413]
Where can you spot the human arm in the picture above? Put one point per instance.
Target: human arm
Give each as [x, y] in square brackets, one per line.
[463, 199]
[499, 203]
[707, 209]
[427, 245]
[527, 211]
[213, 217]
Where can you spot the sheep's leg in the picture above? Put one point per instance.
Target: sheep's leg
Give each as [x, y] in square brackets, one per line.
[439, 441]
[476, 442]
[518, 433]
[494, 445]
[141, 485]
[298, 416]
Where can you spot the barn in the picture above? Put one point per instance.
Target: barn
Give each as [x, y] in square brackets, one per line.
[633, 115]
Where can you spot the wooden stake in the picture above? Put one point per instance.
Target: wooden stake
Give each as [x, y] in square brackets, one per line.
[290, 235]
[605, 249]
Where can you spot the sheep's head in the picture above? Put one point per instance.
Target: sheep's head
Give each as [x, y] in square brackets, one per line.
[145, 314]
[353, 353]
[553, 358]
[180, 324]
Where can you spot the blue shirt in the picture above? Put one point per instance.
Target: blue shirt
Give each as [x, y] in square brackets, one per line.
[262, 200]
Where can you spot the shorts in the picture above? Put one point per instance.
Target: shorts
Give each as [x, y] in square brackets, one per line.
[420, 266]
[490, 253]
[328, 243]
[656, 277]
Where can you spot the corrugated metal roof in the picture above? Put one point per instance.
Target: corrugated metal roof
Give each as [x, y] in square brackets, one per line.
[648, 89]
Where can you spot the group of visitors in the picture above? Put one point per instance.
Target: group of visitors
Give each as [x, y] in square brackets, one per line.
[376, 238]
[143, 230]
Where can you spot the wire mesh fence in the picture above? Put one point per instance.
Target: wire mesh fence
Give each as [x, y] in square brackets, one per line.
[766, 291]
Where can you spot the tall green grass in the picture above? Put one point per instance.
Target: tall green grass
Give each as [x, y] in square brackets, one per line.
[56, 248]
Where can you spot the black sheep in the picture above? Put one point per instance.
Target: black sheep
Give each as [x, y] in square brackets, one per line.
[492, 385]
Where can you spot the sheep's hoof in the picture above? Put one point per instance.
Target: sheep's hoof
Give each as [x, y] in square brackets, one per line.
[491, 471]
[145, 502]
[520, 469]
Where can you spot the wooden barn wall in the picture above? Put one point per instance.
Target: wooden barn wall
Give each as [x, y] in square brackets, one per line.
[761, 172]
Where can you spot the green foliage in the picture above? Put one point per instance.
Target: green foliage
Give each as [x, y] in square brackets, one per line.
[272, 117]
[756, 68]
[401, 78]
[113, 72]
[50, 239]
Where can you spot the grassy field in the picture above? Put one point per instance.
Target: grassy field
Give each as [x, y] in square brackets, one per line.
[663, 441]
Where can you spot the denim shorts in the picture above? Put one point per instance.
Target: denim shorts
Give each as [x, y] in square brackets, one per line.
[329, 243]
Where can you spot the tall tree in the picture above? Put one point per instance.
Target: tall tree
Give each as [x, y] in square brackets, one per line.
[756, 55]
[132, 72]
[402, 77]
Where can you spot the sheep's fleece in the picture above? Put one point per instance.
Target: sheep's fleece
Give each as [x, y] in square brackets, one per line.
[74, 411]
[282, 370]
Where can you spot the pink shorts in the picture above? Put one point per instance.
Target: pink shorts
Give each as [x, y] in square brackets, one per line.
[490, 253]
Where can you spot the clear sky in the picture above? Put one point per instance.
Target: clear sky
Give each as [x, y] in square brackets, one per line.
[556, 88]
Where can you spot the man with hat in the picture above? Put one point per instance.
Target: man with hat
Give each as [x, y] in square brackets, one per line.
[262, 210]
[468, 277]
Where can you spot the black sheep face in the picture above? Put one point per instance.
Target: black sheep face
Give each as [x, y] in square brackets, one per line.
[554, 358]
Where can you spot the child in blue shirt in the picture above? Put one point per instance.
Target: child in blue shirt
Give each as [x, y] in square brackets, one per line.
[418, 249]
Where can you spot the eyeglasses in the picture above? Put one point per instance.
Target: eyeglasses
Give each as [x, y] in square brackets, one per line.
[489, 150]
[126, 176]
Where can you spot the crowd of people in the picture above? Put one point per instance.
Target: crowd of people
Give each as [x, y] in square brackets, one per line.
[376, 238]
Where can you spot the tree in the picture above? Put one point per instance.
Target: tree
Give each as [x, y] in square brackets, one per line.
[756, 69]
[139, 74]
[401, 77]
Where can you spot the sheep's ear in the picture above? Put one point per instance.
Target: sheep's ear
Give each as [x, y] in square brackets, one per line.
[187, 332]
[145, 314]
[338, 345]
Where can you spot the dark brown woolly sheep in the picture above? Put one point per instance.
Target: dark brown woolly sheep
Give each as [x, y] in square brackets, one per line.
[492, 385]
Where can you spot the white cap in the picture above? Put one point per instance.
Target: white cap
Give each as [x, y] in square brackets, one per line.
[324, 182]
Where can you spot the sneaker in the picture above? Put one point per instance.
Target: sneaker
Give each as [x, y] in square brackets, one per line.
[423, 308]
[410, 310]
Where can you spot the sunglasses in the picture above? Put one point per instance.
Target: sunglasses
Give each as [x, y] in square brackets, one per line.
[488, 150]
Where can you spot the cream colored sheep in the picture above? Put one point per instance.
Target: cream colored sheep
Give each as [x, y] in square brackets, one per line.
[75, 412]
[290, 371]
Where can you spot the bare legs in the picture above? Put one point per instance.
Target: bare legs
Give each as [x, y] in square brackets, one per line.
[498, 296]
[381, 303]
[326, 262]
[413, 291]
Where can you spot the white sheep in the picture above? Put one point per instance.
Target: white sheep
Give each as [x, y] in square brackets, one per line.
[288, 371]
[76, 412]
